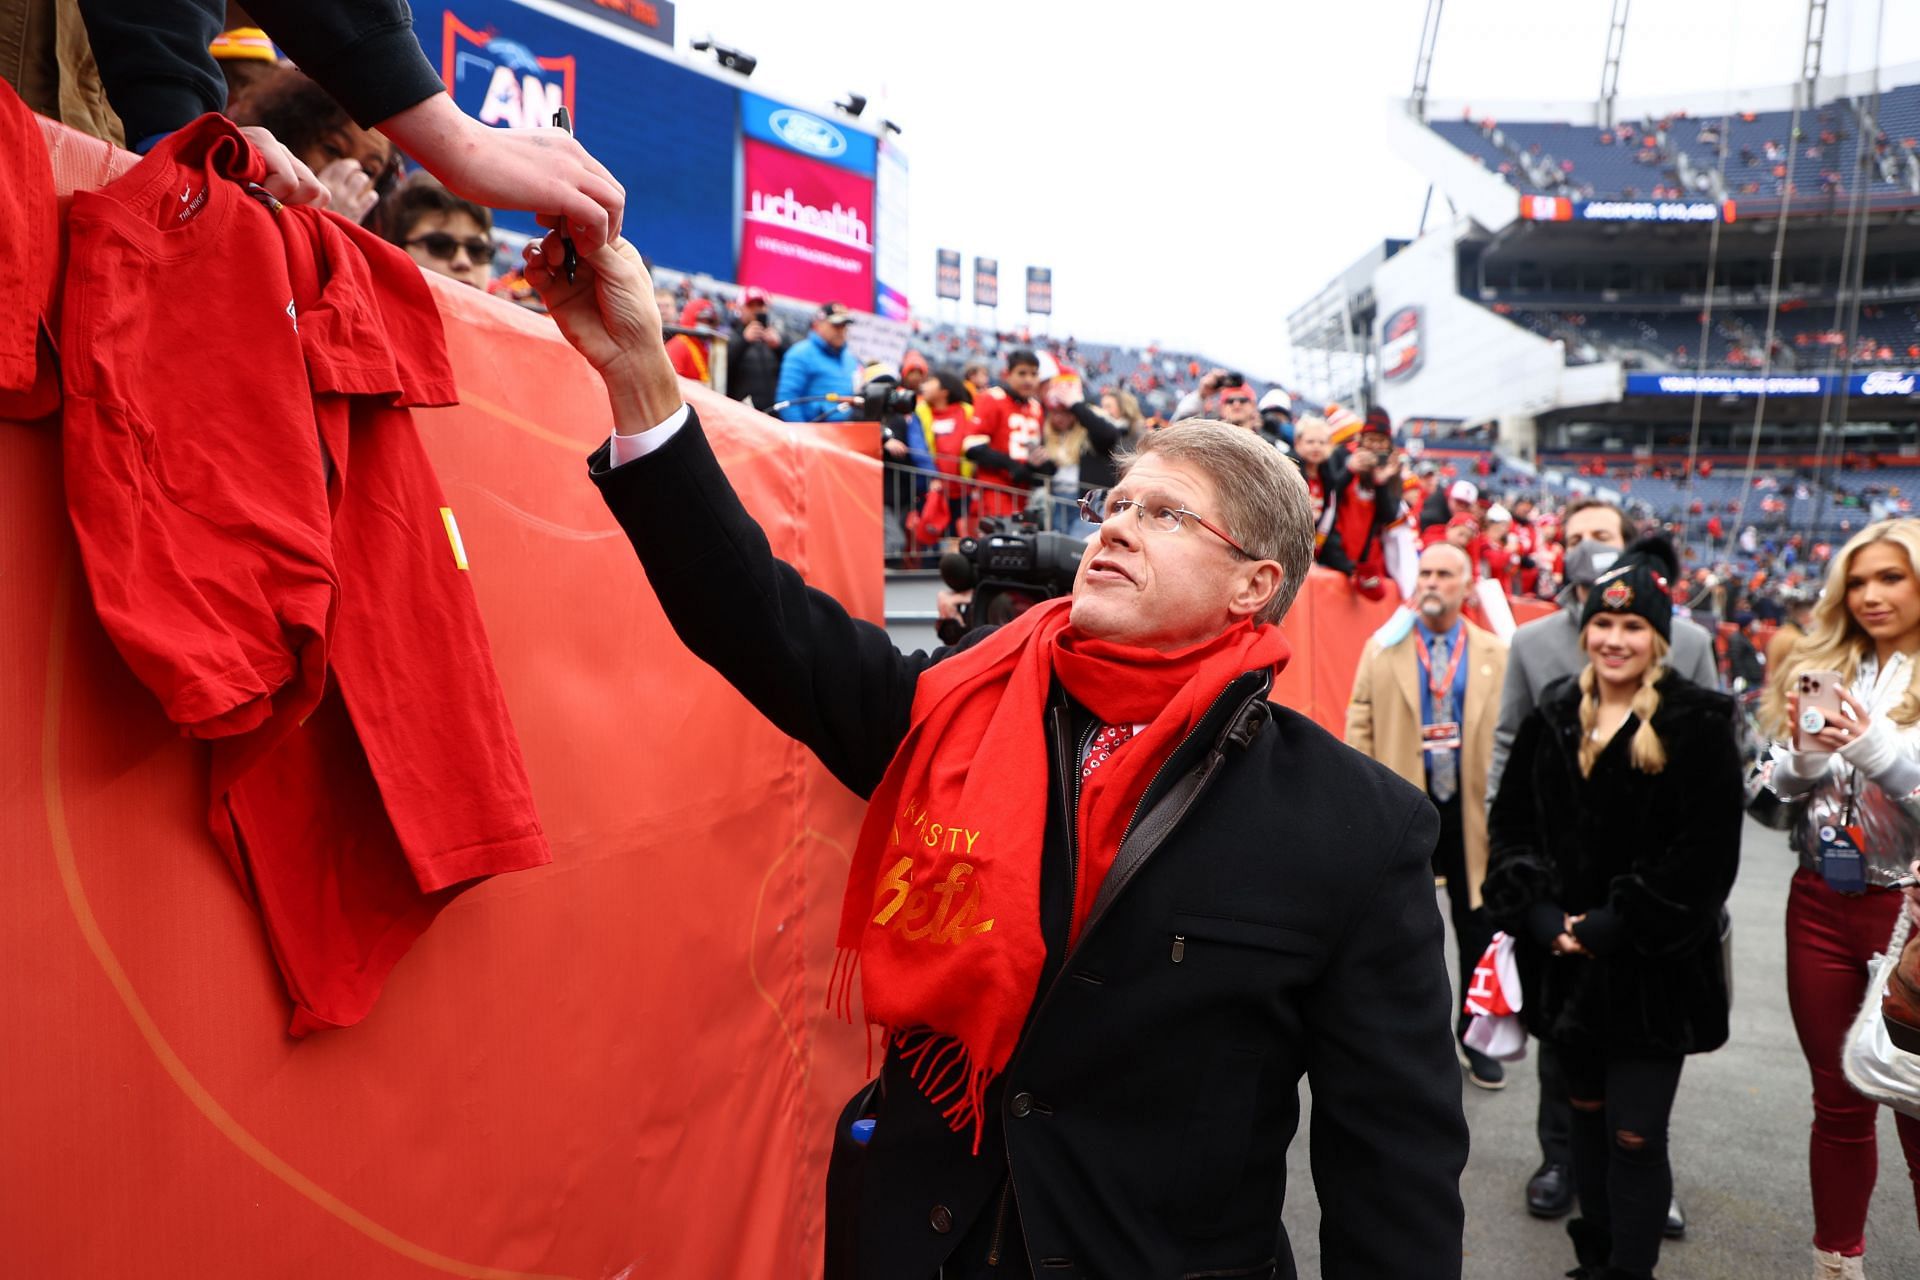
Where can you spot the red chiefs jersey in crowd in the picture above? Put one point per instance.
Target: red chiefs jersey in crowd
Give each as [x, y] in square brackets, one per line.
[1006, 424]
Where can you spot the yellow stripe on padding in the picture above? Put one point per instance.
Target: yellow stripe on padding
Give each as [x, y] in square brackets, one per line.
[453, 537]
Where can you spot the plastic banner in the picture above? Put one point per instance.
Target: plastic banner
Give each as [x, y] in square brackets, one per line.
[618, 1065]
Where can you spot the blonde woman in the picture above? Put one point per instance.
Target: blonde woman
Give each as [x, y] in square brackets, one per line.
[1613, 843]
[1862, 778]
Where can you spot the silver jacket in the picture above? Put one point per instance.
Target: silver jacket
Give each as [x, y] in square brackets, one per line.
[1887, 797]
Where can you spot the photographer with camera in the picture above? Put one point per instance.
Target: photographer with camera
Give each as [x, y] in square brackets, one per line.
[1212, 382]
[1112, 1013]
[1365, 489]
[753, 358]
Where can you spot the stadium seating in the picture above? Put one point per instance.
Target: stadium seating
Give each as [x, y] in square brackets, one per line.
[1642, 159]
[1806, 337]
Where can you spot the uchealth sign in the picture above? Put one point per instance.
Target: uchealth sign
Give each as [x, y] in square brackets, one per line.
[806, 227]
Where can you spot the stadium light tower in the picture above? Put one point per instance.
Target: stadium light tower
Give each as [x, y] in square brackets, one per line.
[1610, 73]
[1810, 58]
[1423, 62]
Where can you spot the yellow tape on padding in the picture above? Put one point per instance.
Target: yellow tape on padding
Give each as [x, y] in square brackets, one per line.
[453, 536]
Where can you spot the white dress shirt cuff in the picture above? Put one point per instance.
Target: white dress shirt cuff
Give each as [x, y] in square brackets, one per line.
[624, 449]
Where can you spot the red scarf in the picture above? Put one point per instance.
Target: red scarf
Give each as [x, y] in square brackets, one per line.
[942, 911]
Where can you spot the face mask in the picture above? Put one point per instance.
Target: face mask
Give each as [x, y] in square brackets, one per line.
[1588, 560]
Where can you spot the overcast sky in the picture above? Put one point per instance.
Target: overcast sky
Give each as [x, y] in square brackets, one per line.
[1192, 172]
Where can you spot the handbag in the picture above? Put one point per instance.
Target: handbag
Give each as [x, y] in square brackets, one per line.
[1767, 808]
[1876, 1067]
[1762, 804]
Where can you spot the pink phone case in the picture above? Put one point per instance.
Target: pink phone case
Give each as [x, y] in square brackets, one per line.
[1818, 690]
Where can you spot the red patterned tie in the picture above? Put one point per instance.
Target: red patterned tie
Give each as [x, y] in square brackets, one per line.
[1105, 743]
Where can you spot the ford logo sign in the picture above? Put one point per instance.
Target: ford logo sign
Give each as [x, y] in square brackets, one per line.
[807, 133]
[1887, 384]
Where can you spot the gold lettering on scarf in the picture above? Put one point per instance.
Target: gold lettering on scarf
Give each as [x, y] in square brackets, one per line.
[947, 910]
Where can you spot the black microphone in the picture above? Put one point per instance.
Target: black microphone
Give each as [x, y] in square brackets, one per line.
[957, 571]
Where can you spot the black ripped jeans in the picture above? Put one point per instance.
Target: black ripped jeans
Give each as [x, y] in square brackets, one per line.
[1620, 1168]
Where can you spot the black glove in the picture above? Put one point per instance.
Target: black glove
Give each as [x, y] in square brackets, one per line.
[1545, 923]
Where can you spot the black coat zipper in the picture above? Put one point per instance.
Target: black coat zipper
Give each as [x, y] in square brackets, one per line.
[1000, 1219]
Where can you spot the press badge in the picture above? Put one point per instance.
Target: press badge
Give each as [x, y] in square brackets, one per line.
[1842, 865]
[1444, 736]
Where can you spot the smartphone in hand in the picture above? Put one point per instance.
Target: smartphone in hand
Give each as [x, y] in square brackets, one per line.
[1819, 695]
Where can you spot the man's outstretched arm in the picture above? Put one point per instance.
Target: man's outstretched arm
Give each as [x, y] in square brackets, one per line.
[830, 680]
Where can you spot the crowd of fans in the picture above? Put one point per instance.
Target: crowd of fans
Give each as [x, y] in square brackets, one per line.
[1007, 422]
[1804, 336]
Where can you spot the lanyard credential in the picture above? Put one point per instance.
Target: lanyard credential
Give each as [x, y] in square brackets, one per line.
[1843, 863]
[1440, 688]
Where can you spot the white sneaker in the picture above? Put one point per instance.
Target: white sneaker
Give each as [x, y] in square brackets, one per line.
[1831, 1266]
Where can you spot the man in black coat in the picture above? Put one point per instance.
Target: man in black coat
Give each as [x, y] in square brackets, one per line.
[753, 359]
[1269, 912]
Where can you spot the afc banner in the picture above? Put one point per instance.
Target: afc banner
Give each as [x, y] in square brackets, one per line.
[986, 282]
[947, 274]
[1039, 291]
[510, 66]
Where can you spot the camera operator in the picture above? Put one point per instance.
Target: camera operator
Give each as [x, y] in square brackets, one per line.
[1117, 1017]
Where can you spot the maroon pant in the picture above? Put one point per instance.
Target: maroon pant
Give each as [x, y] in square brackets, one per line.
[1831, 937]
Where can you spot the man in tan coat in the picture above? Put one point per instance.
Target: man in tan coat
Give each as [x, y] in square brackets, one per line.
[1425, 706]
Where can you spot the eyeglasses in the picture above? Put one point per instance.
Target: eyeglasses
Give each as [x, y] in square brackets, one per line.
[441, 246]
[1100, 505]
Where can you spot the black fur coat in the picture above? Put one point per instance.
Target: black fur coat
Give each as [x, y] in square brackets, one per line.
[1649, 858]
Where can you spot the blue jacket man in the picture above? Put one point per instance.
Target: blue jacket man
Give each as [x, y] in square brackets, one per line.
[820, 365]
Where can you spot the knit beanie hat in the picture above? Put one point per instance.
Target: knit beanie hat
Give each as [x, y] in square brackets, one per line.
[1640, 581]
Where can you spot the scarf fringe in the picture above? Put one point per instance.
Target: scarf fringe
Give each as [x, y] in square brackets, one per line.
[943, 1068]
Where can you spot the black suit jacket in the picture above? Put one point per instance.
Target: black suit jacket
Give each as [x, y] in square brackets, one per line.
[1284, 925]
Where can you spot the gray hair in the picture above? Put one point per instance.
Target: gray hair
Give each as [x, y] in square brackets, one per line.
[1263, 497]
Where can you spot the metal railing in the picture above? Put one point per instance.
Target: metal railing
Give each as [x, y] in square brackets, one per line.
[913, 541]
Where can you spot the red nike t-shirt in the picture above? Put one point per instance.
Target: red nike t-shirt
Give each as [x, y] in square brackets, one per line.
[261, 525]
[193, 463]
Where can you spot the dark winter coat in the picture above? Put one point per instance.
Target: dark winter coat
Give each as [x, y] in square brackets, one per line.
[1649, 858]
[753, 368]
[1282, 924]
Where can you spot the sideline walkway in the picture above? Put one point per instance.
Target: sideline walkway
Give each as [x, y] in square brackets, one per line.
[1739, 1140]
